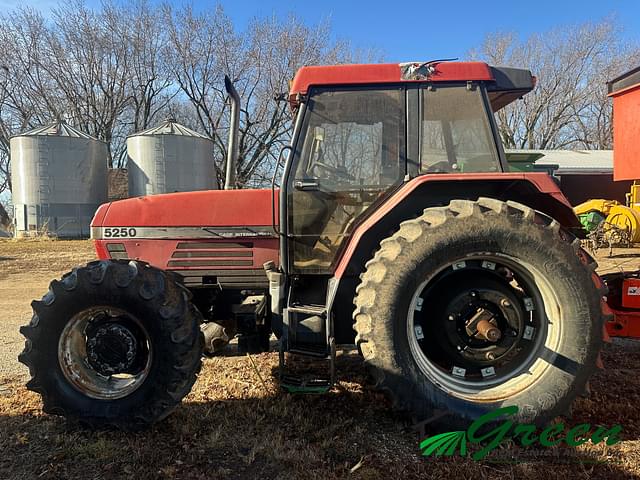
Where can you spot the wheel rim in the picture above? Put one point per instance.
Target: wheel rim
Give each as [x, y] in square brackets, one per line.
[105, 353]
[480, 322]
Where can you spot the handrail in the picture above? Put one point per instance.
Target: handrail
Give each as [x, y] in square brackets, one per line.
[273, 188]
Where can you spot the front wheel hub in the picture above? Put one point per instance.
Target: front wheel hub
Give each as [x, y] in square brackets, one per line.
[105, 352]
[111, 349]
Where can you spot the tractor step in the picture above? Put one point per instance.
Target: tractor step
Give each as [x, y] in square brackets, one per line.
[318, 351]
[318, 310]
[305, 386]
[306, 370]
[306, 330]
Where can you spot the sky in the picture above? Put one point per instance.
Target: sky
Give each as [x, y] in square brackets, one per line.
[422, 30]
[419, 30]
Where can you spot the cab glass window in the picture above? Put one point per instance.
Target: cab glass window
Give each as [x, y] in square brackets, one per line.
[348, 156]
[456, 132]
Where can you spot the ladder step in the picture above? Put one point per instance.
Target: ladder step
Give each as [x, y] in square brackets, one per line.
[319, 310]
[297, 385]
[310, 350]
[307, 376]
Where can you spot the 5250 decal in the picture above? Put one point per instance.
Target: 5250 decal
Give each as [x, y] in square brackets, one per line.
[119, 232]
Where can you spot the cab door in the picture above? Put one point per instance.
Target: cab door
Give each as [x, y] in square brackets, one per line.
[349, 154]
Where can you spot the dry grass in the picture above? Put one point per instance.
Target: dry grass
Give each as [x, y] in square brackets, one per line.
[231, 426]
[42, 254]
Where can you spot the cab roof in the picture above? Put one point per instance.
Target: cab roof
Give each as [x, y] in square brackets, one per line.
[504, 84]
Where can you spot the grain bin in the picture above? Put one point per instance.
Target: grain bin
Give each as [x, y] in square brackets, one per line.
[59, 178]
[170, 158]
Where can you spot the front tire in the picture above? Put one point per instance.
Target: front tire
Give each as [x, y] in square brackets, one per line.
[426, 291]
[114, 343]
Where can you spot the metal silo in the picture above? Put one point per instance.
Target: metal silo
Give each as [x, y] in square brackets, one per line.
[169, 158]
[59, 178]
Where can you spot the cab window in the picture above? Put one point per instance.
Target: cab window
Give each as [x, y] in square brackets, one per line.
[456, 132]
[350, 153]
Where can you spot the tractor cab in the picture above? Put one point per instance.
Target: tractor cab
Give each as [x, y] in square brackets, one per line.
[357, 140]
[362, 133]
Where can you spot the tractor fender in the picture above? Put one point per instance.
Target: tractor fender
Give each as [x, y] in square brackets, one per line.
[535, 190]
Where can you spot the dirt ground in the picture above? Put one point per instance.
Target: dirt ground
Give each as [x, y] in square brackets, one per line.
[26, 268]
[233, 426]
[621, 259]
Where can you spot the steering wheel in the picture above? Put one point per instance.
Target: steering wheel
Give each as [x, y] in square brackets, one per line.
[440, 167]
[322, 170]
[481, 163]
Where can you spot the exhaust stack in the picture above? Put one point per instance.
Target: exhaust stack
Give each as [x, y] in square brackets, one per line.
[232, 146]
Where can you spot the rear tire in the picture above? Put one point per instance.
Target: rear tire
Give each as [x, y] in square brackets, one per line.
[114, 343]
[406, 322]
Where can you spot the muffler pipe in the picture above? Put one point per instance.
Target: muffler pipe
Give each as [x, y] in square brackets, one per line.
[234, 130]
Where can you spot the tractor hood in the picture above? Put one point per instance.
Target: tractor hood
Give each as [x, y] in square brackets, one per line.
[202, 214]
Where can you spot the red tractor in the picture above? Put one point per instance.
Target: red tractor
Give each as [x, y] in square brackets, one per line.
[397, 228]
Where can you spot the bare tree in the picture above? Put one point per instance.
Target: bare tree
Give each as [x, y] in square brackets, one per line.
[90, 64]
[74, 69]
[151, 88]
[204, 47]
[22, 85]
[193, 55]
[5, 130]
[118, 68]
[99, 69]
[569, 107]
[593, 126]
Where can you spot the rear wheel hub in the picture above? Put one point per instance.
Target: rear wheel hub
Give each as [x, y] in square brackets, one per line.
[476, 323]
[485, 324]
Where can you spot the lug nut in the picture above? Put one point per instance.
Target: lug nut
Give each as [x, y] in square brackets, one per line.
[491, 356]
[451, 318]
[505, 302]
